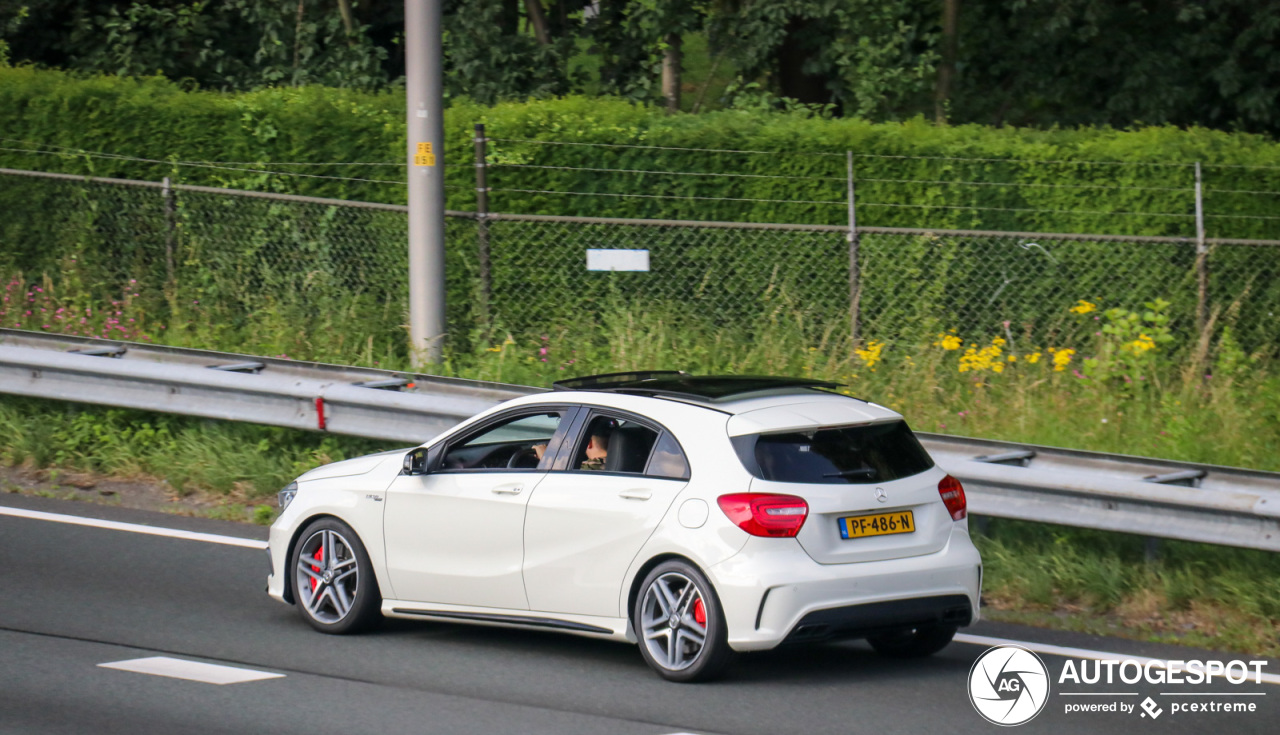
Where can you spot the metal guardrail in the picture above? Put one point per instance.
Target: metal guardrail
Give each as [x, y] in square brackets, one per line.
[1151, 497]
[375, 404]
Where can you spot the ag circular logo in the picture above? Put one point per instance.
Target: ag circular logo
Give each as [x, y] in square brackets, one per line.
[1008, 685]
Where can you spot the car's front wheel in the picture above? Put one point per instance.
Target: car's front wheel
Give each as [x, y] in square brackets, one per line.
[913, 642]
[680, 624]
[333, 582]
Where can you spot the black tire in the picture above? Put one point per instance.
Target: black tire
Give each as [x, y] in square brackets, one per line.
[913, 642]
[714, 653]
[325, 595]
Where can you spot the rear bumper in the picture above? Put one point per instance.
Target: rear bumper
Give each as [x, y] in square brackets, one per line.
[773, 592]
[858, 621]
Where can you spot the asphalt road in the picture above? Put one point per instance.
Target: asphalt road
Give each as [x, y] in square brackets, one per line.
[73, 597]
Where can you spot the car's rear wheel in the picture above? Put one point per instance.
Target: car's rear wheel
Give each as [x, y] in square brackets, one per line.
[333, 580]
[680, 624]
[913, 642]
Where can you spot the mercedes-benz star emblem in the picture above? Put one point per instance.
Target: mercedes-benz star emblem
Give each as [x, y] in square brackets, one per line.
[880, 495]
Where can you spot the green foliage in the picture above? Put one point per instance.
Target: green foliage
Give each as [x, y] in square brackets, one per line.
[1046, 64]
[229, 44]
[867, 58]
[1214, 63]
[1014, 171]
[488, 58]
[1129, 345]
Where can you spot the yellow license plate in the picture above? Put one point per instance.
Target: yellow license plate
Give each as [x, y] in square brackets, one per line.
[880, 524]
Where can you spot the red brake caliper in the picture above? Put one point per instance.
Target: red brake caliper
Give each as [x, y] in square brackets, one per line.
[319, 555]
[699, 612]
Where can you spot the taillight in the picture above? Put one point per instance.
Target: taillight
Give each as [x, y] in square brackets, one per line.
[765, 514]
[952, 493]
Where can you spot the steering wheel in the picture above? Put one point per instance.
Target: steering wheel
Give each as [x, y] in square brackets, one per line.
[520, 459]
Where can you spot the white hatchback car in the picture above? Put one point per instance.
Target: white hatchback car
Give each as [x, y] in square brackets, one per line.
[695, 515]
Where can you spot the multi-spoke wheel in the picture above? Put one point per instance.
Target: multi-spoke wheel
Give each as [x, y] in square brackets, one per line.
[678, 620]
[333, 583]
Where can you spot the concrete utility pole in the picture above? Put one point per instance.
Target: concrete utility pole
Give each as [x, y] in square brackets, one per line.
[424, 97]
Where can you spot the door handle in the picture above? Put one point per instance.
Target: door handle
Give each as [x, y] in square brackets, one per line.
[635, 494]
[509, 490]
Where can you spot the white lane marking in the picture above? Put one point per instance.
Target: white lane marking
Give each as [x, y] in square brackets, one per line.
[133, 528]
[1045, 648]
[177, 668]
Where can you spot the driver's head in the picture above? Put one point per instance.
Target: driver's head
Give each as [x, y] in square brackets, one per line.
[598, 446]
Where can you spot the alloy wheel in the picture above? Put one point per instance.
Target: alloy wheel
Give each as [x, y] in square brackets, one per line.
[327, 577]
[673, 621]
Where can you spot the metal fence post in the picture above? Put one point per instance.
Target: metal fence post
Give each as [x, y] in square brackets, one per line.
[170, 225]
[482, 223]
[855, 267]
[1202, 261]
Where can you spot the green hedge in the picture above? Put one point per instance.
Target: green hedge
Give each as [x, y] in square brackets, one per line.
[1013, 169]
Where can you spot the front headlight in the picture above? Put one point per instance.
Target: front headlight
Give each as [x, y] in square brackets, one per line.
[286, 495]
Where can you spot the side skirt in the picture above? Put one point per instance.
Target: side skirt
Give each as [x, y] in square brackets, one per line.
[596, 628]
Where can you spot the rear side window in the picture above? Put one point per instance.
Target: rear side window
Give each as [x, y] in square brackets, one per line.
[855, 455]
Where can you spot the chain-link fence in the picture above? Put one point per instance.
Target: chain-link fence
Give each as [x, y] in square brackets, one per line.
[233, 259]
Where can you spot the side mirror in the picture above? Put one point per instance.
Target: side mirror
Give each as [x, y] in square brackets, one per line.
[415, 462]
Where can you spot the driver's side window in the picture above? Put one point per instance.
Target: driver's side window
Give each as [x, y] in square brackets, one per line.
[517, 443]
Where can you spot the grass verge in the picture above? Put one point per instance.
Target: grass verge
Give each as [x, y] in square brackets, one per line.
[1098, 582]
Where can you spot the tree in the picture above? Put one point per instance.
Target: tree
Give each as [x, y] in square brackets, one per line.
[489, 57]
[1087, 62]
[233, 44]
[873, 58]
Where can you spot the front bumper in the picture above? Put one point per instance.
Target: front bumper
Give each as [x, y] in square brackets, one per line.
[773, 592]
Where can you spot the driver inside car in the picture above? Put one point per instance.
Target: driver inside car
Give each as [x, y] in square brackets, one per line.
[597, 450]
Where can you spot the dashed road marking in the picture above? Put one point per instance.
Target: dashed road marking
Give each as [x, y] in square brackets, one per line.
[176, 668]
[210, 538]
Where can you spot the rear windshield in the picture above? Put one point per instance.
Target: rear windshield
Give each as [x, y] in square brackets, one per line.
[854, 455]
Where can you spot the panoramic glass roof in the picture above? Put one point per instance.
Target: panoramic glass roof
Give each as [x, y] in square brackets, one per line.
[676, 383]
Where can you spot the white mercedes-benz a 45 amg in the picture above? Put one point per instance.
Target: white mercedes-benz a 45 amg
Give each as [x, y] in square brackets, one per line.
[693, 515]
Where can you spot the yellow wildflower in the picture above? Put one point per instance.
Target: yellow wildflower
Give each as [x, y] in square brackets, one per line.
[1144, 343]
[871, 355]
[1013, 358]
[1083, 307]
[987, 358]
[948, 342]
[1033, 358]
[1061, 359]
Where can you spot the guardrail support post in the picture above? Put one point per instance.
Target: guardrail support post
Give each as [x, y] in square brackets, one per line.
[482, 223]
[855, 268]
[1151, 550]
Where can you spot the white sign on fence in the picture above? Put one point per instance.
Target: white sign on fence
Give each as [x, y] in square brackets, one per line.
[617, 260]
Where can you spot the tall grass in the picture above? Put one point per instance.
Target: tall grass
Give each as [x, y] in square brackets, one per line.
[1103, 379]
